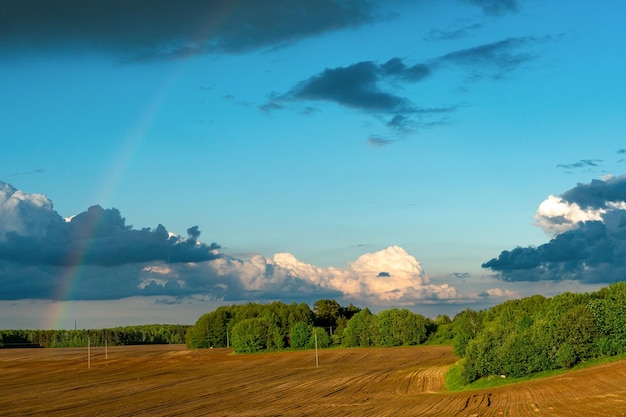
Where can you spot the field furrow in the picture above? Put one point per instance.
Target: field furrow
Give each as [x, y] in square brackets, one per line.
[170, 380]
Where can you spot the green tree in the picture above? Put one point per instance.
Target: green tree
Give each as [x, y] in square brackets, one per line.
[400, 327]
[300, 313]
[361, 330]
[300, 335]
[609, 310]
[466, 326]
[323, 339]
[249, 335]
[578, 328]
[275, 334]
[484, 353]
[326, 312]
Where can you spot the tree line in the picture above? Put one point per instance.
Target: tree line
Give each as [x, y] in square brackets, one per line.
[255, 327]
[515, 338]
[128, 335]
[534, 334]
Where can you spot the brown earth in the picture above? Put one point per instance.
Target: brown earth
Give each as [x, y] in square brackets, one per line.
[173, 381]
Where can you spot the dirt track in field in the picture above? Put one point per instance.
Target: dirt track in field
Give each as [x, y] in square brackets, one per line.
[173, 381]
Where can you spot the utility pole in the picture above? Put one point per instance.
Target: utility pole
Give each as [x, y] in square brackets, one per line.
[317, 359]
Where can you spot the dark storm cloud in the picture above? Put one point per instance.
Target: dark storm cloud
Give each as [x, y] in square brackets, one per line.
[96, 256]
[370, 87]
[598, 193]
[592, 252]
[156, 29]
[361, 86]
[101, 237]
[395, 68]
[354, 86]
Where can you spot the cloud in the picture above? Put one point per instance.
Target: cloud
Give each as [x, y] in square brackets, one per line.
[25, 214]
[589, 223]
[370, 87]
[492, 60]
[495, 7]
[96, 256]
[387, 277]
[162, 29]
[361, 86]
[378, 142]
[498, 293]
[583, 163]
[353, 86]
[599, 194]
[20, 174]
[101, 237]
[39, 248]
[448, 35]
[556, 215]
[461, 275]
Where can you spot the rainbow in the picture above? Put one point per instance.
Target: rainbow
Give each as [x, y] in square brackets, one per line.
[74, 272]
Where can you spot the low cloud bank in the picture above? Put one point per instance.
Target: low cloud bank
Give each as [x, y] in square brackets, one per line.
[95, 256]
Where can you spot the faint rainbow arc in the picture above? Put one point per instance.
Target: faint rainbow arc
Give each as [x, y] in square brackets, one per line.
[133, 140]
[73, 268]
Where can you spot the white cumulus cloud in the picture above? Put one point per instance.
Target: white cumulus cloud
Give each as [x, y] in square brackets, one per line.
[389, 276]
[23, 213]
[556, 215]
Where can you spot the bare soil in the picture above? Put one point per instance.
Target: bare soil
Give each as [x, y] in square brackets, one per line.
[173, 381]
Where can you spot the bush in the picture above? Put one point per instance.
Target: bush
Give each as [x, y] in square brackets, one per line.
[606, 346]
[566, 356]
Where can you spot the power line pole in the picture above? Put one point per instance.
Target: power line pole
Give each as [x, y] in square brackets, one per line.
[317, 359]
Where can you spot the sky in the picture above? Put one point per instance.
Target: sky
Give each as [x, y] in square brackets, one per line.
[160, 159]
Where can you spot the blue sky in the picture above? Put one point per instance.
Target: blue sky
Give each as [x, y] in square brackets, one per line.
[422, 139]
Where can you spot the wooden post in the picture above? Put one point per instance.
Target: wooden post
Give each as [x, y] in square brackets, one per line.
[317, 359]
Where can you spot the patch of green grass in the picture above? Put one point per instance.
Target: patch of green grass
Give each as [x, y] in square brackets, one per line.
[453, 376]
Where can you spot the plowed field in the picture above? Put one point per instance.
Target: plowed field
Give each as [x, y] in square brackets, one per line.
[173, 381]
